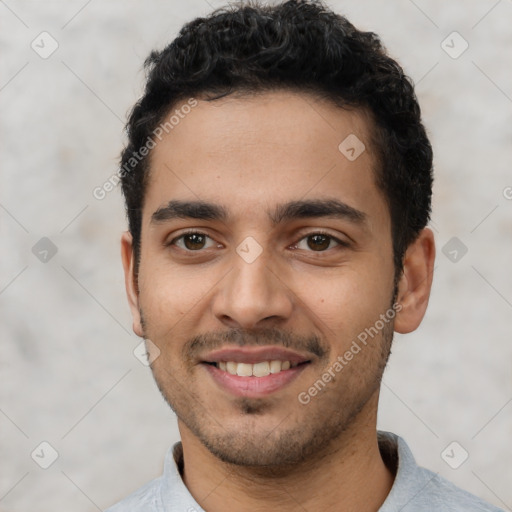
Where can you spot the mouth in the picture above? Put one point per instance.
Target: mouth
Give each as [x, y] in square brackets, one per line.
[254, 372]
[259, 369]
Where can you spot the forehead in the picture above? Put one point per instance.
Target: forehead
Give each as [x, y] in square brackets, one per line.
[266, 149]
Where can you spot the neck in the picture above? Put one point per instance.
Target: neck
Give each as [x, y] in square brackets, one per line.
[339, 478]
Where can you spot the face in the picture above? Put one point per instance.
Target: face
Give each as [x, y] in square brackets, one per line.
[266, 254]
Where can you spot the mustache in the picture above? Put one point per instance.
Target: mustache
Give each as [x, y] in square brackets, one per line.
[251, 338]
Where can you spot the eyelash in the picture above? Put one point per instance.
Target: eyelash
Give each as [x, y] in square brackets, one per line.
[341, 243]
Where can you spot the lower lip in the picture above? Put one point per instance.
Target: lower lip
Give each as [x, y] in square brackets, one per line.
[254, 387]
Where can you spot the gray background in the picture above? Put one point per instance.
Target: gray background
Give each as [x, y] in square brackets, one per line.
[69, 376]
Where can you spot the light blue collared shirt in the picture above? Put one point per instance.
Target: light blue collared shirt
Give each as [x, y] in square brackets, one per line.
[414, 489]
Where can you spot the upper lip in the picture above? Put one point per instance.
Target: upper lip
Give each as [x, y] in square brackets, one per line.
[253, 355]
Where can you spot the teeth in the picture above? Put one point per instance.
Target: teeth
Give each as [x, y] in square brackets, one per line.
[244, 370]
[231, 367]
[275, 366]
[261, 369]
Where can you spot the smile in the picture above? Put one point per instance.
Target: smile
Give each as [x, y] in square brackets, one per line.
[261, 369]
[254, 372]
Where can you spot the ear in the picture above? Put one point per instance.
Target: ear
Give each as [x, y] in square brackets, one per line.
[132, 292]
[416, 282]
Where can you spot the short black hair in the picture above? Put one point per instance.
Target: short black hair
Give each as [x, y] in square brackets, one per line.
[300, 45]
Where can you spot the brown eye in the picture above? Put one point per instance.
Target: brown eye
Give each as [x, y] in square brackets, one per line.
[193, 241]
[319, 242]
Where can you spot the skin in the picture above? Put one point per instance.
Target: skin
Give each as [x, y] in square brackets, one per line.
[250, 154]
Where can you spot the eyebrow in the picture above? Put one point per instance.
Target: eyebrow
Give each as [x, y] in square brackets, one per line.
[302, 209]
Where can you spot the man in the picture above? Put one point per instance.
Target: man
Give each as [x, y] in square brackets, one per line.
[278, 184]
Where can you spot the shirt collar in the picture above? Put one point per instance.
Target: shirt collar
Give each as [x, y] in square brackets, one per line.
[409, 479]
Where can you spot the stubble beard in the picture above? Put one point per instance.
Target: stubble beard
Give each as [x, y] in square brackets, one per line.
[313, 431]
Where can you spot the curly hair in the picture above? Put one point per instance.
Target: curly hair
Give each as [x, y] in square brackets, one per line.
[248, 48]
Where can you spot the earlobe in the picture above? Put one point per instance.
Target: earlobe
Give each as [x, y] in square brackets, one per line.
[416, 282]
[127, 256]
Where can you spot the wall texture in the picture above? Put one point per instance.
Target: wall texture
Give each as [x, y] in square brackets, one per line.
[68, 372]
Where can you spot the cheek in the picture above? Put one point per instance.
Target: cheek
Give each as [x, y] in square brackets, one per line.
[346, 303]
[167, 295]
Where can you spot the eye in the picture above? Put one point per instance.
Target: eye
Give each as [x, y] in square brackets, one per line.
[195, 241]
[192, 241]
[319, 242]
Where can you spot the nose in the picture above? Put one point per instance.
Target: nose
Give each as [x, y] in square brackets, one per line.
[253, 295]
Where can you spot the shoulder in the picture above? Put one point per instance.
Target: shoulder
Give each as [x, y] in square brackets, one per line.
[165, 493]
[417, 489]
[443, 496]
[144, 499]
